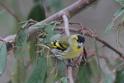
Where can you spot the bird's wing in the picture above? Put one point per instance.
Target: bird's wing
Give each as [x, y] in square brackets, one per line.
[60, 44]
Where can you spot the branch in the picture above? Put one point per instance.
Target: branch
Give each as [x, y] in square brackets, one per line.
[92, 34]
[85, 30]
[69, 67]
[110, 47]
[69, 74]
[9, 11]
[69, 11]
[66, 25]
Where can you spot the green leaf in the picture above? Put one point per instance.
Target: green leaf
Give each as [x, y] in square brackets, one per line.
[56, 70]
[109, 27]
[107, 74]
[108, 78]
[49, 29]
[64, 80]
[60, 66]
[51, 70]
[51, 77]
[121, 2]
[96, 74]
[37, 12]
[97, 54]
[39, 72]
[55, 37]
[7, 23]
[21, 38]
[19, 71]
[84, 74]
[117, 14]
[119, 76]
[3, 56]
[33, 49]
[43, 69]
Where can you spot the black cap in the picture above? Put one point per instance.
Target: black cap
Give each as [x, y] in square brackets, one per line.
[81, 39]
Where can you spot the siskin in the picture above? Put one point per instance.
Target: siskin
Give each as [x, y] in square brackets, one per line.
[68, 47]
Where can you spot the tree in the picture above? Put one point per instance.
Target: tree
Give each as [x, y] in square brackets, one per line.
[32, 37]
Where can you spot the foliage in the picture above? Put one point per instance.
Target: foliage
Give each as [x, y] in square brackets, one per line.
[7, 22]
[41, 66]
[84, 74]
[121, 2]
[37, 12]
[3, 56]
[118, 17]
[120, 76]
[117, 25]
[39, 70]
[19, 73]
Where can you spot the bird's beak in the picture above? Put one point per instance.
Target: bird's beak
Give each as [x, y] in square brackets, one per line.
[80, 45]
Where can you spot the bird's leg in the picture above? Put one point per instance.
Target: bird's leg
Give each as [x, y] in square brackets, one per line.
[77, 61]
[70, 63]
[84, 57]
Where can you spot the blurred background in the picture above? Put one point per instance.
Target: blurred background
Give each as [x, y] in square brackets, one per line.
[97, 16]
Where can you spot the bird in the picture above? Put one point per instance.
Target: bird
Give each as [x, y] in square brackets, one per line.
[68, 47]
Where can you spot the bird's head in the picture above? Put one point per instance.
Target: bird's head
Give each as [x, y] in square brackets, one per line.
[79, 39]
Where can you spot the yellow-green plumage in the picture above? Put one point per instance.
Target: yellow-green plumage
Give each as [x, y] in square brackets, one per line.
[73, 51]
[68, 46]
[60, 44]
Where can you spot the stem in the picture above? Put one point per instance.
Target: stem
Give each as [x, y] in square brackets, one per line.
[69, 73]
[110, 47]
[11, 38]
[66, 25]
[92, 35]
[69, 11]
[69, 68]
[10, 12]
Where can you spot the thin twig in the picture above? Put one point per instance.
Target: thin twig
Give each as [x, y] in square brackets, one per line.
[12, 37]
[9, 11]
[66, 25]
[88, 34]
[110, 47]
[46, 7]
[69, 67]
[70, 76]
[73, 9]
[70, 11]
[92, 35]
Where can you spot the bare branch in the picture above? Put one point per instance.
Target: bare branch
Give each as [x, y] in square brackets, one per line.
[92, 34]
[69, 11]
[66, 23]
[84, 30]
[69, 73]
